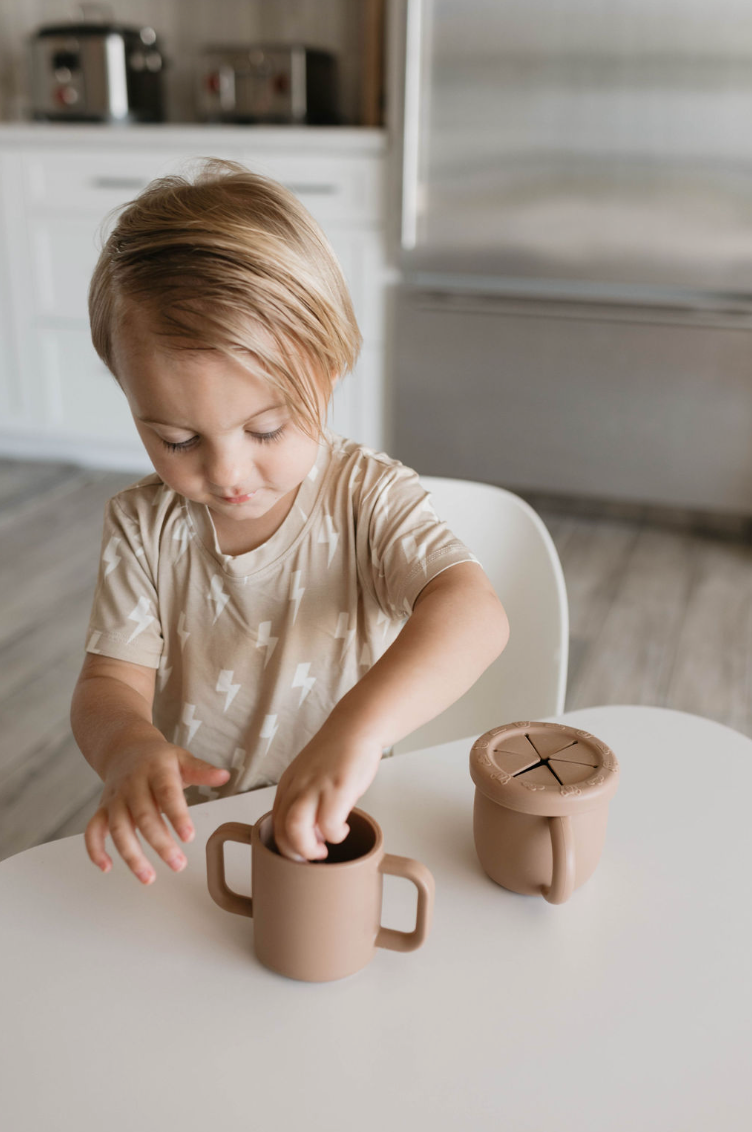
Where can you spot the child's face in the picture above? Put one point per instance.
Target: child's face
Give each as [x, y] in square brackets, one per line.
[215, 432]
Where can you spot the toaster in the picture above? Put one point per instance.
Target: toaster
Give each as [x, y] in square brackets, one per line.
[284, 84]
[96, 72]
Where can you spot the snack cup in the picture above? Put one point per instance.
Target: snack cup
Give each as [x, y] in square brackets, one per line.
[541, 806]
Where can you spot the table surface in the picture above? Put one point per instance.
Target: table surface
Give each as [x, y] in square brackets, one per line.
[628, 1007]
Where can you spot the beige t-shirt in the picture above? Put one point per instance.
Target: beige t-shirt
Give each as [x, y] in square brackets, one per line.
[254, 650]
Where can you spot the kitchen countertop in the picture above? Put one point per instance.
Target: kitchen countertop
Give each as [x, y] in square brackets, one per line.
[344, 139]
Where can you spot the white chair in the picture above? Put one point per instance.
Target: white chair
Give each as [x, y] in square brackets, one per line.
[528, 680]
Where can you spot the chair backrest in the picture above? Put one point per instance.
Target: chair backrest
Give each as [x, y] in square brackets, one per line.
[528, 680]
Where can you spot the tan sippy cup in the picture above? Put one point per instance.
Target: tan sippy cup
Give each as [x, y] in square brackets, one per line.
[541, 806]
[319, 920]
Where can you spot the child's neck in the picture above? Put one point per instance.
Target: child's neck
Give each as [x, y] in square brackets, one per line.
[239, 537]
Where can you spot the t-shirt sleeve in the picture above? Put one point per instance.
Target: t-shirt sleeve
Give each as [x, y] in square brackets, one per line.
[124, 619]
[408, 544]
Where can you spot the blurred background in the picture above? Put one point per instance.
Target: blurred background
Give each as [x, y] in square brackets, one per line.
[544, 213]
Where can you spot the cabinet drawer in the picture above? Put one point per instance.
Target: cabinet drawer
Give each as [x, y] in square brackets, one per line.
[337, 189]
[344, 189]
[82, 181]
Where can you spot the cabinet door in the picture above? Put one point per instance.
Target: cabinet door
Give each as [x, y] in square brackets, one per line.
[64, 253]
[82, 397]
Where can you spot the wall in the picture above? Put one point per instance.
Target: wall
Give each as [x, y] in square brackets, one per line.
[185, 26]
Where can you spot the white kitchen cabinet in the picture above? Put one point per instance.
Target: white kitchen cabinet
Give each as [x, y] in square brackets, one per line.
[59, 185]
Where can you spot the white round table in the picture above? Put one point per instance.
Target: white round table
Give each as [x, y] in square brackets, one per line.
[630, 1007]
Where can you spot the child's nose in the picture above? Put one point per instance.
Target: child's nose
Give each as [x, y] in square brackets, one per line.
[223, 469]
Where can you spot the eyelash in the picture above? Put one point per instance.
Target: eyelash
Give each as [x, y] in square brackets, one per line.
[261, 437]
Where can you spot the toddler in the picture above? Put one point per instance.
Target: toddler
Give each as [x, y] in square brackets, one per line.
[275, 603]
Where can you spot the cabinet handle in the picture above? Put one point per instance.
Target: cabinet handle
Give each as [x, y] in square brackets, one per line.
[118, 183]
[319, 190]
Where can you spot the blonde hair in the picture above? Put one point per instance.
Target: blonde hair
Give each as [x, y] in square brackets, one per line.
[227, 260]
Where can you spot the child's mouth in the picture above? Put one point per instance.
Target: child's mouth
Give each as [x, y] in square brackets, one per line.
[237, 498]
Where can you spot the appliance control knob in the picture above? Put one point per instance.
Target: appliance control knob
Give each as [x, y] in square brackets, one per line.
[137, 61]
[154, 62]
[63, 75]
[148, 36]
[66, 95]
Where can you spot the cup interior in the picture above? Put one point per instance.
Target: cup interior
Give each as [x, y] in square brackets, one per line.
[359, 842]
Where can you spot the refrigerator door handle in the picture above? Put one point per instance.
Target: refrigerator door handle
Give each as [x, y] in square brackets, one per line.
[411, 123]
[709, 310]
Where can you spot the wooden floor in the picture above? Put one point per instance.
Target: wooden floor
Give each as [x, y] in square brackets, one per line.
[661, 613]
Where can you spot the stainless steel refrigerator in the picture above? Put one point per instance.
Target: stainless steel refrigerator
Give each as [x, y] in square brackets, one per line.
[575, 244]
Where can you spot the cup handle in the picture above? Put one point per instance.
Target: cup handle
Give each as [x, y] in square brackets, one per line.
[562, 845]
[424, 882]
[215, 867]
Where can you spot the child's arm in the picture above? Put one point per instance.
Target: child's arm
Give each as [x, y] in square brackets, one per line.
[143, 774]
[457, 628]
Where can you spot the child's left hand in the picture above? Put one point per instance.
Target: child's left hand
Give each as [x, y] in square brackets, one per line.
[319, 789]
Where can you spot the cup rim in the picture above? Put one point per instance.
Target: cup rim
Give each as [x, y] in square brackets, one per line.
[329, 865]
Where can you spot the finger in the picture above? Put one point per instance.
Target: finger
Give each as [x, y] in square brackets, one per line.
[332, 816]
[168, 793]
[123, 833]
[94, 838]
[196, 772]
[153, 828]
[280, 797]
[294, 832]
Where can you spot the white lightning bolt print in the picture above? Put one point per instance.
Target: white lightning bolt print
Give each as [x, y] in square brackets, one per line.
[141, 616]
[313, 475]
[303, 681]
[93, 642]
[161, 494]
[382, 619]
[225, 684]
[110, 555]
[329, 535]
[345, 632]
[164, 672]
[265, 640]
[218, 596]
[189, 711]
[182, 631]
[268, 730]
[365, 657]
[429, 508]
[384, 500]
[181, 535]
[412, 551]
[296, 592]
[238, 758]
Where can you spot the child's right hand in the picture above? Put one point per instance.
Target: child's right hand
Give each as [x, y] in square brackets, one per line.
[142, 783]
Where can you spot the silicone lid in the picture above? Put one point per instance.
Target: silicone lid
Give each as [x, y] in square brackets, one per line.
[544, 768]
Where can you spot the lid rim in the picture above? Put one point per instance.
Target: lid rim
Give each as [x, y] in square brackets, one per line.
[509, 789]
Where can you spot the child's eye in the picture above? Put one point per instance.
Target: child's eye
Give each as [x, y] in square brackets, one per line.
[265, 437]
[180, 447]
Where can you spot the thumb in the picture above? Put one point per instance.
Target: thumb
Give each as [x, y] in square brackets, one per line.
[196, 772]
